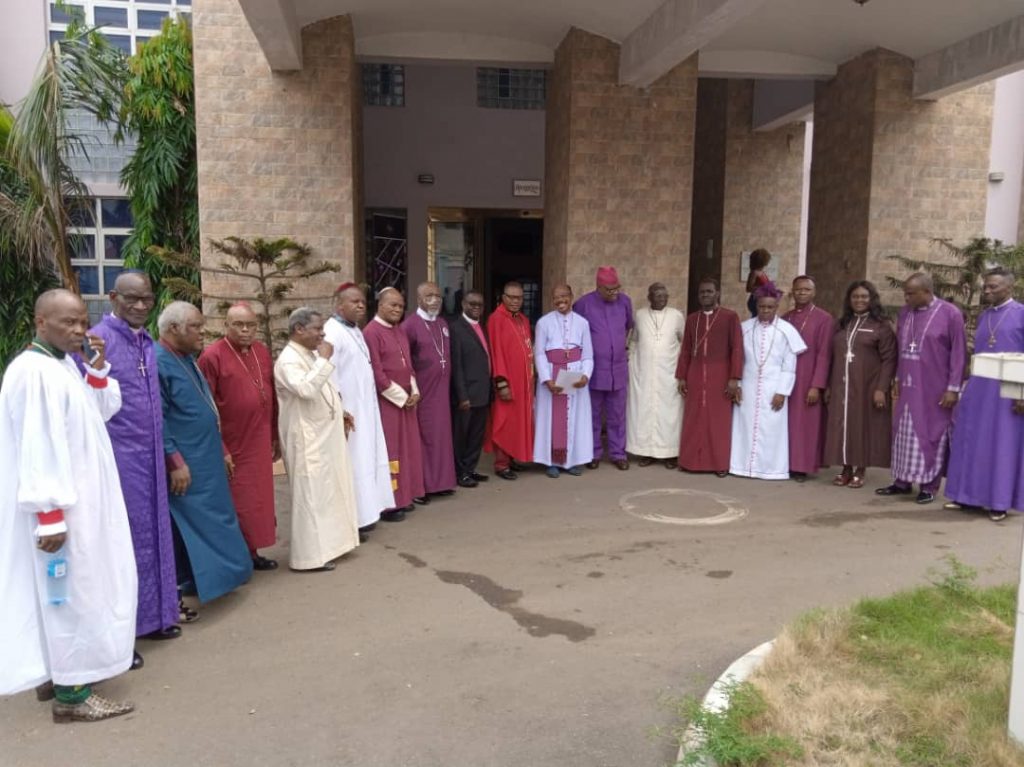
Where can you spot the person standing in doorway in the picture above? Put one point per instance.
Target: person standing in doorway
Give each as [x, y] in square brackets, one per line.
[471, 388]
[757, 277]
[508, 331]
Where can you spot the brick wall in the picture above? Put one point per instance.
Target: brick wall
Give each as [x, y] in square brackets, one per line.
[619, 171]
[278, 151]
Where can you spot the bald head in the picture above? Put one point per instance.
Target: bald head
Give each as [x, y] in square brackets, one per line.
[61, 319]
[241, 324]
[132, 298]
[918, 290]
[56, 300]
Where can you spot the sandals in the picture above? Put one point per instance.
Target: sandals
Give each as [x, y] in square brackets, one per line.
[185, 613]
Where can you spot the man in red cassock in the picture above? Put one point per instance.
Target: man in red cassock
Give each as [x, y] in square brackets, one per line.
[508, 331]
[241, 377]
[398, 395]
[709, 371]
[806, 404]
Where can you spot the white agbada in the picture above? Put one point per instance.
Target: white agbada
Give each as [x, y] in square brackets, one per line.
[557, 331]
[760, 435]
[654, 408]
[57, 455]
[353, 378]
[311, 425]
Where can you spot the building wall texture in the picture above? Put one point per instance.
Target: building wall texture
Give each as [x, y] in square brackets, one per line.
[890, 173]
[278, 152]
[619, 171]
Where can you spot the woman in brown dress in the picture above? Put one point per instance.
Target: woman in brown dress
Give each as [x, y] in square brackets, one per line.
[863, 364]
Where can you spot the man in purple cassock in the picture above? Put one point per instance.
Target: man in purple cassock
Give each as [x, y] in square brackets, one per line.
[610, 315]
[431, 349]
[985, 459]
[136, 433]
[929, 374]
[806, 404]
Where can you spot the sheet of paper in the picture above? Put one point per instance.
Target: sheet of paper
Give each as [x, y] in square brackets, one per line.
[567, 378]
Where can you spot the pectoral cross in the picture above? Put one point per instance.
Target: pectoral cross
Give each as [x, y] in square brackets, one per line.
[442, 363]
[912, 347]
[909, 382]
[142, 368]
[850, 355]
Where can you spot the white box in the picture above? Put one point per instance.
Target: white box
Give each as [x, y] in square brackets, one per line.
[1002, 366]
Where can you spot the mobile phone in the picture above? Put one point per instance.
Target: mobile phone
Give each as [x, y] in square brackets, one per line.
[89, 354]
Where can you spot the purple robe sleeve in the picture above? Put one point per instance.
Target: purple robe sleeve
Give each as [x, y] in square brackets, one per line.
[957, 350]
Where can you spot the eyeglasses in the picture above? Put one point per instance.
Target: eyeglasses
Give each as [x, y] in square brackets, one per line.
[511, 297]
[132, 299]
[244, 325]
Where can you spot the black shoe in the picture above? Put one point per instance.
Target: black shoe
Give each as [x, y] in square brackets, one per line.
[395, 515]
[479, 477]
[262, 563]
[507, 474]
[171, 632]
[593, 464]
[923, 498]
[467, 481]
[442, 493]
[421, 500]
[997, 516]
[363, 537]
[719, 474]
[368, 528]
[137, 662]
[798, 476]
[893, 490]
[621, 464]
[516, 466]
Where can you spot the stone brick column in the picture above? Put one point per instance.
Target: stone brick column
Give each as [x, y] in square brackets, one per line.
[890, 173]
[618, 170]
[278, 152]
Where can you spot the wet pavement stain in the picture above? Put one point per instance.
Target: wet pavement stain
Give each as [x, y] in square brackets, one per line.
[718, 573]
[505, 600]
[412, 559]
[595, 574]
[912, 514]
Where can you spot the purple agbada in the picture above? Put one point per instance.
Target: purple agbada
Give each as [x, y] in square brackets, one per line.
[431, 349]
[932, 359]
[988, 437]
[807, 422]
[136, 433]
[610, 323]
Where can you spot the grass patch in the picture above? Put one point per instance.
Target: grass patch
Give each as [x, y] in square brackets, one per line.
[918, 679]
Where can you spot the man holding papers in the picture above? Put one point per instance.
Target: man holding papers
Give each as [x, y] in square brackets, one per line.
[564, 358]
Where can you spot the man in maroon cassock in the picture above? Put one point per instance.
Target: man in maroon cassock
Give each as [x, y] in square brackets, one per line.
[929, 375]
[241, 377]
[806, 403]
[431, 347]
[398, 396]
[709, 371]
[508, 331]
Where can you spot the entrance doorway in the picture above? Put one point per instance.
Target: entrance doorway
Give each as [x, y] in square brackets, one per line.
[482, 249]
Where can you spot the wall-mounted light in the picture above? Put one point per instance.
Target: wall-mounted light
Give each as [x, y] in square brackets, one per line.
[996, 176]
[425, 178]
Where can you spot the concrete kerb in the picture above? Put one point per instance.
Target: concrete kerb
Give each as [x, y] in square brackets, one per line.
[717, 698]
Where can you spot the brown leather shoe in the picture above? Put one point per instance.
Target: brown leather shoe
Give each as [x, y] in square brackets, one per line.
[622, 464]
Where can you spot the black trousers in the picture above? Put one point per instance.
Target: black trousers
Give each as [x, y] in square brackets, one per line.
[468, 428]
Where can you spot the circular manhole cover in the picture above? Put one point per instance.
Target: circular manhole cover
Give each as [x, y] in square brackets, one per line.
[681, 506]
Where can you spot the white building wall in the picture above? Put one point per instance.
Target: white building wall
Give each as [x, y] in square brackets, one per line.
[22, 42]
[1002, 217]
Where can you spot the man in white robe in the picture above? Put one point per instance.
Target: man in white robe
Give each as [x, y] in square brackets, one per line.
[760, 420]
[353, 378]
[61, 501]
[654, 408]
[313, 428]
[563, 436]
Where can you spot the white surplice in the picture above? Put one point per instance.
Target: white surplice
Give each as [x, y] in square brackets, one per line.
[56, 454]
[353, 378]
[654, 408]
[760, 435]
[312, 429]
[557, 331]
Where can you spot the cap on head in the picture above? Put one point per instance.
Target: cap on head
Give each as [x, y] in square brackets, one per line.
[343, 287]
[607, 277]
[768, 290]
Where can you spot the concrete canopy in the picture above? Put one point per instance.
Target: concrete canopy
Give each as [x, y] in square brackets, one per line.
[736, 38]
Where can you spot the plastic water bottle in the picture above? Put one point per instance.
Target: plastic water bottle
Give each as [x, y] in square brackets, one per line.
[57, 579]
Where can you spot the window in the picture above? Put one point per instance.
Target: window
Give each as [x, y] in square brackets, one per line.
[98, 235]
[384, 85]
[500, 88]
[125, 23]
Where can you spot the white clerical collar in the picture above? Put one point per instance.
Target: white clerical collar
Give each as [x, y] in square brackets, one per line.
[385, 323]
[709, 312]
[469, 319]
[1005, 303]
[425, 314]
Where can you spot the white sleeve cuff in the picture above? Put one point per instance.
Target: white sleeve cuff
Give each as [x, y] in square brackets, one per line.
[55, 528]
[396, 395]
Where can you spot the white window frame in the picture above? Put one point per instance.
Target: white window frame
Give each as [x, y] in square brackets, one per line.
[172, 8]
[98, 232]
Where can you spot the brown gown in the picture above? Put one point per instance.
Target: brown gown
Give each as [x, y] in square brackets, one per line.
[858, 433]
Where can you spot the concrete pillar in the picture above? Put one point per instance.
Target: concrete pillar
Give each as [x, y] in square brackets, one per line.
[890, 173]
[279, 152]
[618, 170]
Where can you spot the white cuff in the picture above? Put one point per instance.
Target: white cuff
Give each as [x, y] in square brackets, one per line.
[55, 528]
[97, 373]
[396, 395]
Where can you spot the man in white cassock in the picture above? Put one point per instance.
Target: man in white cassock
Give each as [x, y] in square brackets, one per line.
[60, 500]
[563, 437]
[353, 378]
[760, 419]
[654, 408]
[313, 428]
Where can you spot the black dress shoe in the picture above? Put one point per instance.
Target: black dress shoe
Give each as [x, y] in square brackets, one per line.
[593, 464]
[721, 474]
[171, 632]
[368, 528]
[442, 493]
[622, 464]
[395, 515]
[923, 498]
[507, 474]
[893, 490]
[479, 477]
[262, 563]
[137, 662]
[363, 537]
[421, 500]
[516, 466]
[467, 481]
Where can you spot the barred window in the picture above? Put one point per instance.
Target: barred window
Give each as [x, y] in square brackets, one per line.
[502, 88]
[384, 85]
[97, 236]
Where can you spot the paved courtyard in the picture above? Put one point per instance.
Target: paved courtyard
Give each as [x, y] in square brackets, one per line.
[533, 623]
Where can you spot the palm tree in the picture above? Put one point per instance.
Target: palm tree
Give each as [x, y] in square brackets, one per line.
[39, 192]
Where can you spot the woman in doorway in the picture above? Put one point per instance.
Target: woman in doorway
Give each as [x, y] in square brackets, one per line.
[756, 278]
[863, 365]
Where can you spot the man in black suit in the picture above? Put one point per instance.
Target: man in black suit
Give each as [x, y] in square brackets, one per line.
[471, 388]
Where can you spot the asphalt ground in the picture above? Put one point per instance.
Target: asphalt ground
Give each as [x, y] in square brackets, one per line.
[535, 623]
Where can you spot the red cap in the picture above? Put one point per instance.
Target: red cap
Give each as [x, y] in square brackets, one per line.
[607, 276]
[345, 286]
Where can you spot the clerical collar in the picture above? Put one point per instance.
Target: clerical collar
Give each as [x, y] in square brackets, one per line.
[236, 348]
[41, 346]
[469, 319]
[1007, 301]
[383, 322]
[927, 306]
[709, 311]
[425, 314]
[124, 322]
[343, 321]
